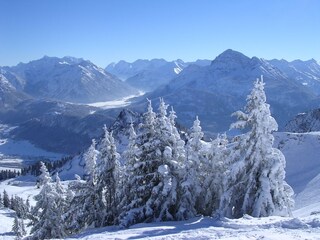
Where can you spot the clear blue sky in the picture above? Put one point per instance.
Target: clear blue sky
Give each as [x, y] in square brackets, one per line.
[104, 31]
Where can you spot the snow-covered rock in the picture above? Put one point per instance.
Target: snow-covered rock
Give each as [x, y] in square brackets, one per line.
[305, 122]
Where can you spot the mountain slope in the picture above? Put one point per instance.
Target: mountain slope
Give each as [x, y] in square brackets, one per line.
[302, 153]
[68, 79]
[304, 72]
[57, 126]
[214, 92]
[9, 95]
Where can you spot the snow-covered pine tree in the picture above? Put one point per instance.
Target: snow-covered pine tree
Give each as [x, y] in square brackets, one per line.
[47, 219]
[12, 203]
[108, 179]
[44, 176]
[140, 173]
[90, 157]
[127, 190]
[61, 203]
[6, 200]
[191, 184]
[18, 228]
[213, 173]
[74, 218]
[170, 170]
[153, 179]
[254, 183]
[20, 207]
[83, 210]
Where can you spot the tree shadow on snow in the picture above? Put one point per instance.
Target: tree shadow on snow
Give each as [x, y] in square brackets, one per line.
[7, 234]
[174, 227]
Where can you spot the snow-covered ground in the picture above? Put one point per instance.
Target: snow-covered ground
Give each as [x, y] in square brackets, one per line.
[116, 103]
[209, 228]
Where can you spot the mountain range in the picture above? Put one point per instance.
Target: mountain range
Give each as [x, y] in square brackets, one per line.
[36, 96]
[66, 79]
[214, 92]
[147, 75]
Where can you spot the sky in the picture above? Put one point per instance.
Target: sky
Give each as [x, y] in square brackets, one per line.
[105, 31]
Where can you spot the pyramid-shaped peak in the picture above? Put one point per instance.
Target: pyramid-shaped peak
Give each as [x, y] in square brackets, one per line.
[230, 54]
[230, 59]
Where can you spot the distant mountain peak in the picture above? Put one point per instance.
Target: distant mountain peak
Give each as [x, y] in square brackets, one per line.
[230, 56]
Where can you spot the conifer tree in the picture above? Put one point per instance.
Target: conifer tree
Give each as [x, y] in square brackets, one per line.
[44, 177]
[19, 206]
[6, 200]
[213, 173]
[47, 222]
[254, 183]
[85, 205]
[154, 178]
[127, 190]
[18, 228]
[108, 178]
[191, 184]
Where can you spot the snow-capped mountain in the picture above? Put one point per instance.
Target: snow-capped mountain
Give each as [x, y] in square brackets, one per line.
[304, 72]
[147, 75]
[214, 92]
[9, 95]
[305, 122]
[67, 79]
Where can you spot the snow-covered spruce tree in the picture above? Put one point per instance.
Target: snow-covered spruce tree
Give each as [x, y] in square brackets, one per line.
[108, 178]
[74, 217]
[20, 207]
[18, 228]
[44, 176]
[254, 183]
[47, 221]
[6, 200]
[87, 203]
[168, 200]
[192, 178]
[61, 203]
[127, 188]
[153, 178]
[213, 173]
